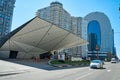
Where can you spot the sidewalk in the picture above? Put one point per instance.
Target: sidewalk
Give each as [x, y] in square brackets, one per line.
[17, 67]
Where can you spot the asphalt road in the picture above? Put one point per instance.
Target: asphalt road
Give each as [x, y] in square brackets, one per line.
[110, 72]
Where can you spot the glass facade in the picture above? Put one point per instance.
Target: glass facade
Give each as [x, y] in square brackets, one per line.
[94, 35]
[6, 13]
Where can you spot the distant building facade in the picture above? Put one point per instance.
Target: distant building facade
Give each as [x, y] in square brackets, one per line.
[114, 48]
[56, 14]
[59, 16]
[6, 14]
[94, 27]
[100, 34]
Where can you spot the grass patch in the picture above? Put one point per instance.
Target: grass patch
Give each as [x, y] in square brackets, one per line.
[82, 62]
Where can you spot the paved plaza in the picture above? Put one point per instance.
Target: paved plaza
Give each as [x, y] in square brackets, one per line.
[11, 67]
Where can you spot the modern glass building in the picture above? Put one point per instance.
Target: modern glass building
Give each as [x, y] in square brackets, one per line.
[94, 35]
[114, 48]
[6, 14]
[99, 35]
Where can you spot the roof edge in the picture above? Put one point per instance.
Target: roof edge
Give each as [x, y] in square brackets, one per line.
[9, 35]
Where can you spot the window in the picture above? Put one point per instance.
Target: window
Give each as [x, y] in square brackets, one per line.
[1, 20]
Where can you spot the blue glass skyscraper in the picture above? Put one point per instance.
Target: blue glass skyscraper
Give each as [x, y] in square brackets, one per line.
[100, 36]
[6, 14]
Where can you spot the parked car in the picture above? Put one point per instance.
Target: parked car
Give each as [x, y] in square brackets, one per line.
[96, 64]
[113, 60]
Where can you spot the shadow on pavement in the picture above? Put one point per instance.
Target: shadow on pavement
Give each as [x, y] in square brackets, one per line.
[42, 64]
[99, 68]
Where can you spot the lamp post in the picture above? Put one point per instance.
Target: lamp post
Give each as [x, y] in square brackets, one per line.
[97, 48]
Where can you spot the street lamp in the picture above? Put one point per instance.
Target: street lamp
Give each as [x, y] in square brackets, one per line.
[97, 48]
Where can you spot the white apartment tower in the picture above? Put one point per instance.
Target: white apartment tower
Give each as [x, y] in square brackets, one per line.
[56, 14]
[59, 16]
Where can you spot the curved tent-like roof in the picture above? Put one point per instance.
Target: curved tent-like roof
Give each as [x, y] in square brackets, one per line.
[38, 35]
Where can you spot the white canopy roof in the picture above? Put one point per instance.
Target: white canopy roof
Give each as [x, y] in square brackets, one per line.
[38, 35]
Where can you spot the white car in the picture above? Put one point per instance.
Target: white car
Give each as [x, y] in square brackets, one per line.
[113, 60]
[96, 64]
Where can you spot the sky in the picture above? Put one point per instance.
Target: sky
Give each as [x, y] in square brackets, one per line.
[26, 9]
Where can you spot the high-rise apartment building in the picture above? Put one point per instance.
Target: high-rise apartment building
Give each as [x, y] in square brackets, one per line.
[6, 14]
[55, 13]
[76, 23]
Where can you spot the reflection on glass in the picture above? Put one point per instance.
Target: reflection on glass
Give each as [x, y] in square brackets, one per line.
[94, 37]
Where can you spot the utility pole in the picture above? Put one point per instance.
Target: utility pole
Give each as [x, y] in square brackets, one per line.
[97, 48]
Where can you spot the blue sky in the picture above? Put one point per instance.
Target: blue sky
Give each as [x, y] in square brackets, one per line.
[26, 9]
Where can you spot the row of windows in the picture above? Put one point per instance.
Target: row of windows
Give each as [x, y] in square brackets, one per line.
[8, 2]
[8, 10]
[43, 11]
[4, 33]
[5, 14]
[59, 17]
[4, 21]
[5, 18]
[7, 29]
